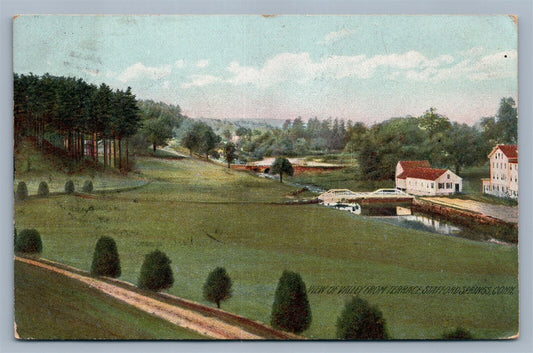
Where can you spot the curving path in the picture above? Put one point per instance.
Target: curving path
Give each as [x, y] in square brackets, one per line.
[208, 325]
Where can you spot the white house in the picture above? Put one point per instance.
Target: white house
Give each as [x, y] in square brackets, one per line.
[503, 172]
[418, 178]
[403, 166]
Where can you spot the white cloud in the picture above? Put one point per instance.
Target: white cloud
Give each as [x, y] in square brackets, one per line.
[494, 66]
[201, 80]
[166, 84]
[180, 64]
[299, 68]
[202, 63]
[139, 71]
[335, 36]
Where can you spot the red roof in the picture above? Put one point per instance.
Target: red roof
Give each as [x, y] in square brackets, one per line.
[510, 151]
[414, 164]
[422, 173]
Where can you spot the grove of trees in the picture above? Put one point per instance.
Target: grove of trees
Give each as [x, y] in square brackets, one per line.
[158, 124]
[200, 138]
[75, 116]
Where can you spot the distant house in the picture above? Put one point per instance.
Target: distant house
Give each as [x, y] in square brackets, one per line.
[418, 178]
[503, 172]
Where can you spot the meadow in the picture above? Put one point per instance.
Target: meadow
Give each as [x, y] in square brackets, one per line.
[75, 311]
[203, 216]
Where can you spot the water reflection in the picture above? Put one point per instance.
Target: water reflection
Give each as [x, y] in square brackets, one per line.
[401, 216]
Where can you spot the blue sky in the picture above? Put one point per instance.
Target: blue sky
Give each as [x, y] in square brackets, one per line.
[363, 68]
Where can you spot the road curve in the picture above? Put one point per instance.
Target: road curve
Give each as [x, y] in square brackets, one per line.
[209, 325]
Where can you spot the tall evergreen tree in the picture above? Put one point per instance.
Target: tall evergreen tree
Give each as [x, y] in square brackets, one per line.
[106, 261]
[291, 310]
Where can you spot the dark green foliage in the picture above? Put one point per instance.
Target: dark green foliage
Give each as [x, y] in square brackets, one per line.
[87, 186]
[217, 287]
[156, 273]
[22, 191]
[43, 189]
[281, 166]
[229, 153]
[69, 187]
[459, 334]
[47, 105]
[106, 261]
[28, 241]
[360, 321]
[200, 138]
[291, 310]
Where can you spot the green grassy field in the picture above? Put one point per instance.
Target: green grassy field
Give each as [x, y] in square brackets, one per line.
[50, 306]
[191, 202]
[345, 178]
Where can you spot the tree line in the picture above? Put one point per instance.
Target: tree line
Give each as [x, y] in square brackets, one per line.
[75, 115]
[431, 137]
[294, 138]
[377, 148]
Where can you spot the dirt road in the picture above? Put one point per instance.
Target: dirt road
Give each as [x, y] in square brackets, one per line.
[502, 212]
[210, 326]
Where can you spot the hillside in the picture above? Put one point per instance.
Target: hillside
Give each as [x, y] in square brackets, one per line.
[50, 306]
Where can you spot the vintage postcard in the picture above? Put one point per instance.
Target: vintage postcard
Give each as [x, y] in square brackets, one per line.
[265, 177]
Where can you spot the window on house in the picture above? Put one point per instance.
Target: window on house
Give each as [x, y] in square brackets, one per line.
[448, 176]
[432, 185]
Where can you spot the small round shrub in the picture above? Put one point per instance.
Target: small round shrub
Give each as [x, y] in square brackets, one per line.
[156, 273]
[87, 186]
[22, 191]
[69, 187]
[105, 258]
[28, 241]
[361, 321]
[43, 189]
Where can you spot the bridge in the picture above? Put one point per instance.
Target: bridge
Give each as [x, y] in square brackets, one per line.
[336, 196]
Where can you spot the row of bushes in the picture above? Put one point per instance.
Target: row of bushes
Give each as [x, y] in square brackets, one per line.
[22, 190]
[291, 311]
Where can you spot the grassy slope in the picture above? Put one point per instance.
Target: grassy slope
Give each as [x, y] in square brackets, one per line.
[258, 241]
[341, 179]
[52, 169]
[50, 306]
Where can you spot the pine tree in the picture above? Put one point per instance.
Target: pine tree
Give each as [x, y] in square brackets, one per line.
[291, 310]
[156, 273]
[106, 261]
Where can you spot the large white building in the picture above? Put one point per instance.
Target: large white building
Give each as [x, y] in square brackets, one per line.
[503, 172]
[418, 178]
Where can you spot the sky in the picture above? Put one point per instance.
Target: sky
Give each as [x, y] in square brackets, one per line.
[359, 68]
